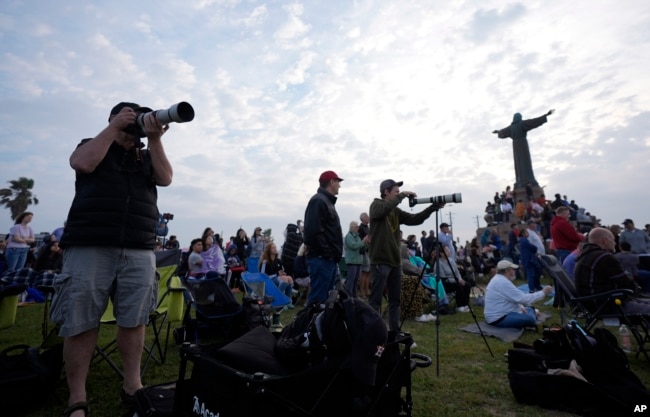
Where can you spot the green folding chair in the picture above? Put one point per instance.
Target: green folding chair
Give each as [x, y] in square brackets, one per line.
[169, 310]
[9, 303]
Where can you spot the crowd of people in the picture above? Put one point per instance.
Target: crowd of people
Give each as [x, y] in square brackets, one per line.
[372, 249]
[580, 243]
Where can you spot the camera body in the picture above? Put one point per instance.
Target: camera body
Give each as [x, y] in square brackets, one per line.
[180, 113]
[168, 216]
[440, 199]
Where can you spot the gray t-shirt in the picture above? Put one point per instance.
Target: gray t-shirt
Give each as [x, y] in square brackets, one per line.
[194, 262]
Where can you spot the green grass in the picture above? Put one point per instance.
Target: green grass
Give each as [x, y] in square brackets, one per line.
[470, 381]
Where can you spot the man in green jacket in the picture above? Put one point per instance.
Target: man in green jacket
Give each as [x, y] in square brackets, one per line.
[384, 249]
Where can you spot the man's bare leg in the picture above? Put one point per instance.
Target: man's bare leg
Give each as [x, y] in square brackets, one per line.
[77, 353]
[130, 342]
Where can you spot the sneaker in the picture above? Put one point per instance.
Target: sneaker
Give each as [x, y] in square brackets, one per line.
[422, 318]
[464, 309]
[430, 317]
[414, 345]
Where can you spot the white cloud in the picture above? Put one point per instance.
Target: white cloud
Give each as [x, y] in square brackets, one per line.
[371, 89]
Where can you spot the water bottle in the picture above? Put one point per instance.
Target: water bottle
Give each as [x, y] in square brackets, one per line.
[624, 337]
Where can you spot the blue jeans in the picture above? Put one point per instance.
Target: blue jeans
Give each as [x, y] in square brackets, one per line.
[353, 279]
[561, 254]
[643, 278]
[284, 287]
[519, 320]
[322, 273]
[533, 272]
[16, 258]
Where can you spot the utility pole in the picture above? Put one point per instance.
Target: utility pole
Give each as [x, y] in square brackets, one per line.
[477, 221]
[451, 223]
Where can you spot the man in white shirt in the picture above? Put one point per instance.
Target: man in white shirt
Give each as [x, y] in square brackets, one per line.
[535, 238]
[505, 304]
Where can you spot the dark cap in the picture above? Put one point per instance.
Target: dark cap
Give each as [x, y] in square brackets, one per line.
[369, 336]
[626, 221]
[443, 225]
[530, 221]
[119, 106]
[328, 176]
[388, 184]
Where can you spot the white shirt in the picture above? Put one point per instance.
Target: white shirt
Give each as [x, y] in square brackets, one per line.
[502, 297]
[536, 240]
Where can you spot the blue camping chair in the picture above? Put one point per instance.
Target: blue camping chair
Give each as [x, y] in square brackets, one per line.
[260, 285]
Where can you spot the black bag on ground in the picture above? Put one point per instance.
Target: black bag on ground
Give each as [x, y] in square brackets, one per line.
[608, 386]
[605, 365]
[28, 376]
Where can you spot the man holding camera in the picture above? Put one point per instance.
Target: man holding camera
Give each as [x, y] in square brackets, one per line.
[108, 247]
[384, 250]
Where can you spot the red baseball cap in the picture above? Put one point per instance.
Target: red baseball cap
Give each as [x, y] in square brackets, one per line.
[328, 176]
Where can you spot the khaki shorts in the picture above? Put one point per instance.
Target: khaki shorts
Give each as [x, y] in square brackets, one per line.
[92, 275]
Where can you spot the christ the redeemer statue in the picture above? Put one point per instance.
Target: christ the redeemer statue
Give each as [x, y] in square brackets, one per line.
[520, 151]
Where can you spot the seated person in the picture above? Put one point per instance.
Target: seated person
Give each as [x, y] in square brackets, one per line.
[505, 304]
[598, 271]
[450, 276]
[195, 261]
[235, 268]
[630, 263]
[409, 267]
[271, 265]
[214, 264]
[49, 262]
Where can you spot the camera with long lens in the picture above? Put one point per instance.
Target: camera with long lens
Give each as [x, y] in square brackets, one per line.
[180, 113]
[440, 199]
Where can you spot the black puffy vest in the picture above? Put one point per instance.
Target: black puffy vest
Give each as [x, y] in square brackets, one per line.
[115, 205]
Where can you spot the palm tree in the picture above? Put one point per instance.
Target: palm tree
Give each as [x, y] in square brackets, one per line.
[20, 190]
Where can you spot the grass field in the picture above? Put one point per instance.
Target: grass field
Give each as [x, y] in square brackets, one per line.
[470, 381]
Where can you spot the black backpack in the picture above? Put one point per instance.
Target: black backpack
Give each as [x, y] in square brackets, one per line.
[605, 364]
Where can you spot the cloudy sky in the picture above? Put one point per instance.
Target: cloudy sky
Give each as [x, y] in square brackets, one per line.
[284, 90]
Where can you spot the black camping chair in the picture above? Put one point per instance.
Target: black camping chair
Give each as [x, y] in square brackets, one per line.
[216, 310]
[589, 310]
[247, 376]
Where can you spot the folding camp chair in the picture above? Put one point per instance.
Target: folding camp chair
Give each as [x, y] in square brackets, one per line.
[169, 309]
[606, 306]
[9, 303]
[170, 305]
[215, 307]
[259, 285]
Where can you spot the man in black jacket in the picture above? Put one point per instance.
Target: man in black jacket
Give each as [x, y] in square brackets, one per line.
[108, 246]
[598, 271]
[323, 237]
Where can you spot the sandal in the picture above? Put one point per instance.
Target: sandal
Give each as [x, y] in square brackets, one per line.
[126, 398]
[81, 405]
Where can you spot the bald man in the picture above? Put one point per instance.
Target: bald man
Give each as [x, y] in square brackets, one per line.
[598, 271]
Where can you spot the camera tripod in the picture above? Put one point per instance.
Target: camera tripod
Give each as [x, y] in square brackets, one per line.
[438, 249]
